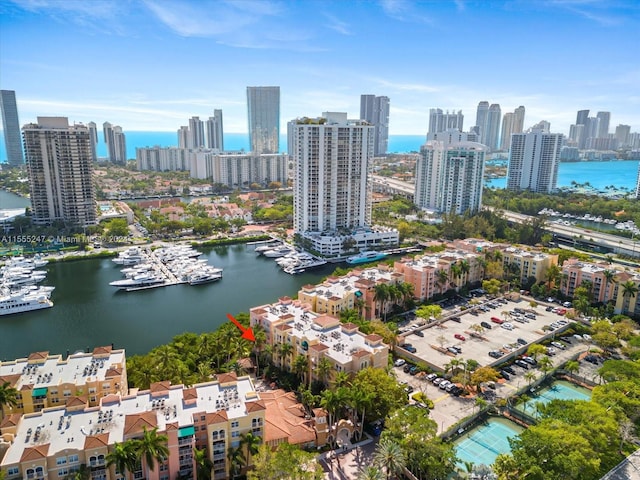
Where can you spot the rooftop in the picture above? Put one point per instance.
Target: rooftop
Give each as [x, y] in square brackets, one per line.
[61, 428]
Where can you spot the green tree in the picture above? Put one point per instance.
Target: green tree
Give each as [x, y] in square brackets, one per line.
[390, 457]
[118, 227]
[203, 464]
[629, 291]
[8, 397]
[323, 369]
[152, 448]
[385, 393]
[251, 443]
[287, 462]
[124, 456]
[236, 460]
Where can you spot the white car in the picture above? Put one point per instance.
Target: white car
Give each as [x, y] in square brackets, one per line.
[399, 362]
[507, 326]
[586, 337]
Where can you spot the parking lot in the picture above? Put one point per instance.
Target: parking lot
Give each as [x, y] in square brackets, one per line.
[474, 334]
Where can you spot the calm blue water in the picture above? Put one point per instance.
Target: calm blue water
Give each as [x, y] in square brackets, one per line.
[620, 174]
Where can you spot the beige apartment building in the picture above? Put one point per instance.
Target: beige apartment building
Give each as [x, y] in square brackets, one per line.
[44, 380]
[356, 290]
[530, 263]
[316, 336]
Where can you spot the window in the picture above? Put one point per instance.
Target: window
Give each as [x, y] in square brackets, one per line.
[11, 471]
[61, 461]
[235, 424]
[63, 472]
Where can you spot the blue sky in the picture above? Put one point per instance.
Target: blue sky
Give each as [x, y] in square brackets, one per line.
[152, 64]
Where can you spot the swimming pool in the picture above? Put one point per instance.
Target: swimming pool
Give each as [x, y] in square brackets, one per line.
[558, 390]
[482, 444]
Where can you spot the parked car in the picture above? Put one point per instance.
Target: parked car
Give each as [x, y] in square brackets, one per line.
[485, 325]
[456, 319]
[497, 320]
[495, 353]
[558, 345]
[587, 337]
[436, 381]
[505, 375]
[411, 349]
[509, 369]
[459, 337]
[406, 368]
[452, 350]
[431, 376]
[551, 351]
[532, 316]
[449, 388]
[522, 341]
[457, 348]
[399, 362]
[413, 370]
[419, 333]
[592, 359]
[444, 384]
[507, 326]
[522, 363]
[530, 360]
[408, 389]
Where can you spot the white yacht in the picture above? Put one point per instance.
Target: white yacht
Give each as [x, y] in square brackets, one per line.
[143, 280]
[277, 252]
[31, 263]
[206, 275]
[25, 300]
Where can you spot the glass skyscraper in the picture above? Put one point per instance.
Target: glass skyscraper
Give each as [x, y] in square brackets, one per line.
[11, 127]
[263, 107]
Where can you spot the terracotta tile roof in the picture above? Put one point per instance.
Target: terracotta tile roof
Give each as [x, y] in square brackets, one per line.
[38, 356]
[283, 326]
[12, 379]
[225, 378]
[285, 419]
[360, 353]
[10, 420]
[373, 337]
[217, 417]
[135, 423]
[113, 372]
[287, 316]
[96, 441]
[190, 394]
[255, 406]
[102, 350]
[111, 398]
[325, 321]
[77, 401]
[319, 347]
[160, 387]
[349, 326]
[34, 453]
[259, 311]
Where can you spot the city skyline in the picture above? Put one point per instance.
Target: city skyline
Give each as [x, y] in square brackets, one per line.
[300, 47]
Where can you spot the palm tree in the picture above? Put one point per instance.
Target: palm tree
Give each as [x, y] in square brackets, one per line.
[530, 376]
[152, 447]
[381, 296]
[609, 278]
[629, 290]
[359, 401]
[8, 397]
[390, 457]
[252, 443]
[341, 379]
[332, 402]
[456, 272]
[572, 367]
[323, 369]
[258, 346]
[370, 472]
[407, 291]
[203, 464]
[284, 350]
[300, 366]
[236, 459]
[442, 277]
[124, 456]
[552, 276]
[545, 365]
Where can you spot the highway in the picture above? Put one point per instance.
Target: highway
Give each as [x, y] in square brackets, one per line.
[615, 243]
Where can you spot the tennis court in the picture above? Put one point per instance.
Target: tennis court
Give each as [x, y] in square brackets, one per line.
[559, 390]
[485, 442]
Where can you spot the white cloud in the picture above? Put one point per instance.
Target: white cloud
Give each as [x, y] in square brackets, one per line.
[336, 24]
[404, 11]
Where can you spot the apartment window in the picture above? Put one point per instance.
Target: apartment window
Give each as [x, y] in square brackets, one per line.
[106, 386]
[92, 390]
[63, 472]
[61, 461]
[72, 458]
[235, 424]
[11, 471]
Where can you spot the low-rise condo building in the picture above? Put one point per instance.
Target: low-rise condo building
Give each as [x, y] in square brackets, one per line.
[44, 380]
[293, 330]
[600, 276]
[438, 272]
[529, 263]
[356, 290]
[55, 442]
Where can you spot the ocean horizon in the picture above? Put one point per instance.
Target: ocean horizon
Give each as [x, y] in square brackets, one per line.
[599, 174]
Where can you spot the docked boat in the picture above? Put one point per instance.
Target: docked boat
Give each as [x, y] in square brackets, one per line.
[205, 276]
[25, 300]
[264, 248]
[31, 263]
[365, 257]
[278, 252]
[139, 281]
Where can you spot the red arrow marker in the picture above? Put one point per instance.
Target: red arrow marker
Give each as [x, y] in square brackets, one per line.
[247, 333]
